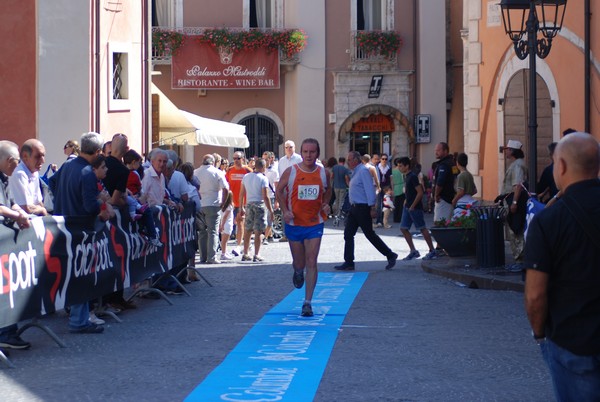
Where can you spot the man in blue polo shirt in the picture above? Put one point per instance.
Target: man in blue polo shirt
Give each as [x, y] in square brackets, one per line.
[362, 211]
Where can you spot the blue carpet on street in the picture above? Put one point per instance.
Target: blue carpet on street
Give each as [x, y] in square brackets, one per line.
[284, 355]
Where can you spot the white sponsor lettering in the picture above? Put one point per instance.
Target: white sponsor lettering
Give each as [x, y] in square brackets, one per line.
[270, 384]
[19, 269]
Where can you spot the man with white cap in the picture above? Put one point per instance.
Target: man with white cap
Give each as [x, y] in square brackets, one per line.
[514, 179]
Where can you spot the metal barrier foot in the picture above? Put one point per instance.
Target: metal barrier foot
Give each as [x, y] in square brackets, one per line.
[6, 360]
[199, 274]
[143, 291]
[45, 328]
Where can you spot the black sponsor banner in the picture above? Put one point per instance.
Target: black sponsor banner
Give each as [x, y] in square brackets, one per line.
[61, 261]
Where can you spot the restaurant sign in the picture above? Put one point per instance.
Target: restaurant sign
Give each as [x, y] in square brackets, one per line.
[198, 65]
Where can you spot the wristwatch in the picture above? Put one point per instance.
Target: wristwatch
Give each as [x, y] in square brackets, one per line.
[537, 338]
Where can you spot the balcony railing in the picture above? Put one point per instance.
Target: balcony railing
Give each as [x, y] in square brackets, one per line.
[164, 39]
[375, 46]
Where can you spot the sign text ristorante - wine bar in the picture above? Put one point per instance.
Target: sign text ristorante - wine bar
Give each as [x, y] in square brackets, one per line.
[202, 66]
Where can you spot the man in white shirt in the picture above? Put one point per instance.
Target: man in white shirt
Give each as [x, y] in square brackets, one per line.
[213, 192]
[153, 183]
[255, 188]
[289, 159]
[24, 184]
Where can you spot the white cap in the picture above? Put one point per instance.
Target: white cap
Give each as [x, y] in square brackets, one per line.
[514, 144]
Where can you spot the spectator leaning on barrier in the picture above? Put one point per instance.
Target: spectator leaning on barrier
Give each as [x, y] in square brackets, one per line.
[176, 182]
[116, 185]
[118, 174]
[25, 182]
[75, 189]
[11, 212]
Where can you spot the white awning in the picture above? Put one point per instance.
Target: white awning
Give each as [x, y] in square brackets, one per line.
[181, 127]
[217, 132]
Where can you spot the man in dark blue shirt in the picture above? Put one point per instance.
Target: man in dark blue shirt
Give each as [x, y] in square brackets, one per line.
[444, 183]
[562, 258]
[75, 192]
[362, 211]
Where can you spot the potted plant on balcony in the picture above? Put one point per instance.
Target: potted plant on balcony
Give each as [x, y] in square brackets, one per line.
[166, 41]
[289, 41]
[458, 235]
[379, 43]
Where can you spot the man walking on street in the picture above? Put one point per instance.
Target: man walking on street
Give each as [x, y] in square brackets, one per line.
[254, 206]
[303, 193]
[444, 183]
[363, 209]
[562, 259]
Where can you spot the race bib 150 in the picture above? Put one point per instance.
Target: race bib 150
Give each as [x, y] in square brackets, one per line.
[308, 192]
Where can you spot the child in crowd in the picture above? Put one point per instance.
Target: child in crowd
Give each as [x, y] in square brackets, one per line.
[100, 169]
[388, 206]
[226, 226]
[132, 160]
[138, 208]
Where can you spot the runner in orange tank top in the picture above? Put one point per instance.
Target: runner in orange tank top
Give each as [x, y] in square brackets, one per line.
[303, 193]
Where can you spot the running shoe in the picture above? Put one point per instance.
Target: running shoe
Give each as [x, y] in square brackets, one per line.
[432, 255]
[307, 310]
[298, 278]
[412, 255]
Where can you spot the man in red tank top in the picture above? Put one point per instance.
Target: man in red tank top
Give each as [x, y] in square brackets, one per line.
[303, 193]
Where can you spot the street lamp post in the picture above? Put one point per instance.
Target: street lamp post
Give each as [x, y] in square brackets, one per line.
[516, 27]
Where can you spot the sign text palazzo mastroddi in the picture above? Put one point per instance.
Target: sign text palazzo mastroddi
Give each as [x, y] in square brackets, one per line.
[202, 66]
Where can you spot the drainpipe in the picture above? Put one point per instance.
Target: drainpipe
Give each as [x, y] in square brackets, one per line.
[96, 89]
[145, 76]
[587, 74]
[413, 151]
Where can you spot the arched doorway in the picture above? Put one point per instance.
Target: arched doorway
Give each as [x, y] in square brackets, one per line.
[399, 139]
[262, 134]
[516, 116]
[372, 134]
